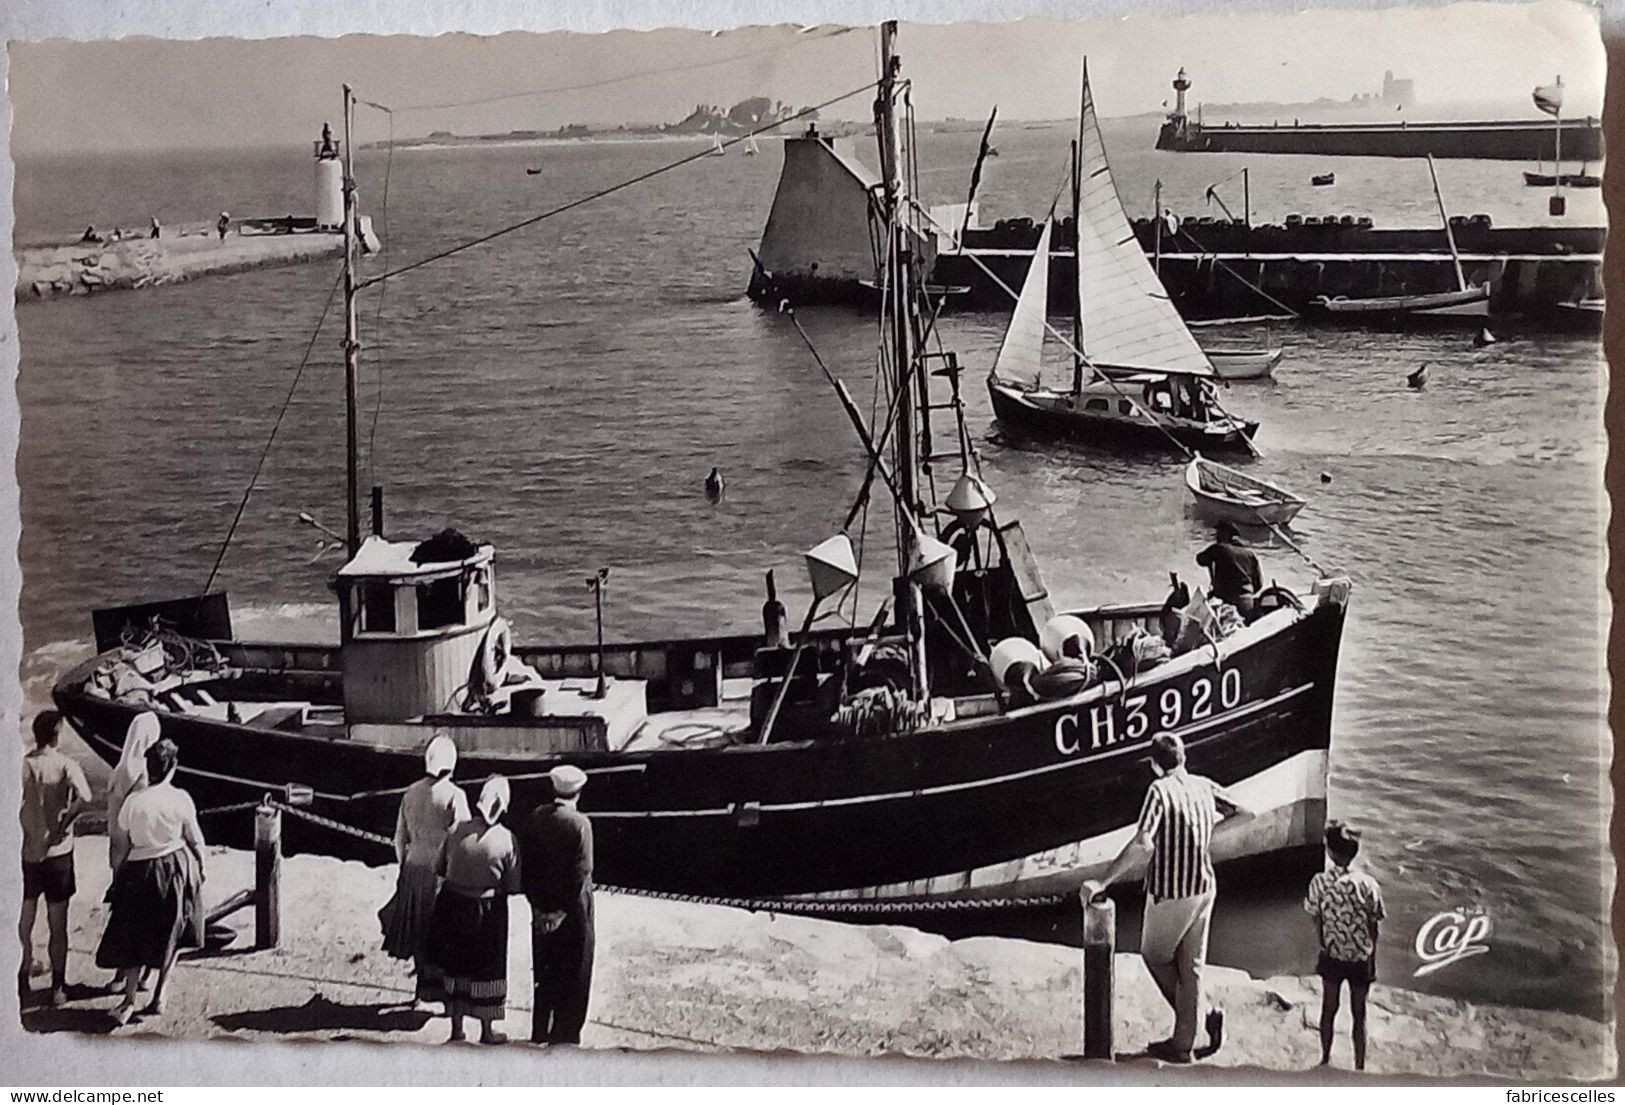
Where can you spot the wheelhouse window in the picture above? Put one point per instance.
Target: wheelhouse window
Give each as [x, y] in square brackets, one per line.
[1125, 407]
[440, 603]
[1097, 405]
[480, 590]
[375, 606]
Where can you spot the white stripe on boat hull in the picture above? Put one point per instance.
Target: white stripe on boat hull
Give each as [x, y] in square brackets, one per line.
[1289, 800]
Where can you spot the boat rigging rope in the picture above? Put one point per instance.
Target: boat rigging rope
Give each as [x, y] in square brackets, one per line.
[378, 314]
[1210, 253]
[603, 192]
[275, 426]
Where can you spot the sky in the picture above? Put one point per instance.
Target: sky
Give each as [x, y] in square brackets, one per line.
[149, 94]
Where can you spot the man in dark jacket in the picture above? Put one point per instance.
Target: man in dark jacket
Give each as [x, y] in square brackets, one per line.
[555, 864]
[1236, 577]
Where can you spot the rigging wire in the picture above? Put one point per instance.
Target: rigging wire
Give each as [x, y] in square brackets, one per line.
[378, 314]
[1209, 253]
[275, 426]
[602, 192]
[605, 82]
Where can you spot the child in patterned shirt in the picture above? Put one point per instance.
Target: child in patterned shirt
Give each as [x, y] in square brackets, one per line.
[1346, 906]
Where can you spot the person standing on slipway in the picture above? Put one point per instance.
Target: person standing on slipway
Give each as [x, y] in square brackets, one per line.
[1174, 837]
[555, 865]
[430, 809]
[54, 794]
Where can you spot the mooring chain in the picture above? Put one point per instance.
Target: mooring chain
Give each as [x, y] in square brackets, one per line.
[756, 905]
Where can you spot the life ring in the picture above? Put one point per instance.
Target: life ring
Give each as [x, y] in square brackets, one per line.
[495, 650]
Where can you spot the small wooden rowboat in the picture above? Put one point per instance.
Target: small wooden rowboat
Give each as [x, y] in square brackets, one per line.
[1244, 364]
[1321, 180]
[1570, 180]
[1225, 494]
[1471, 301]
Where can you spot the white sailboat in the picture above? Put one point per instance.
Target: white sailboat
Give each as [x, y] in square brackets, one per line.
[751, 149]
[1126, 327]
[716, 146]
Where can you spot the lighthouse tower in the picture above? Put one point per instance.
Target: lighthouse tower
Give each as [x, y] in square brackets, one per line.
[1182, 85]
[329, 183]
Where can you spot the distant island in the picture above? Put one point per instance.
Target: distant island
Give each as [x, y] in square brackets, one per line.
[752, 114]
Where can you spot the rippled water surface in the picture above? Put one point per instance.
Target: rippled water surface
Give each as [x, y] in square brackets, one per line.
[563, 391]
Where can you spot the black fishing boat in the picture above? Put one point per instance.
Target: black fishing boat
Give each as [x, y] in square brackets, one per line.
[1139, 378]
[939, 751]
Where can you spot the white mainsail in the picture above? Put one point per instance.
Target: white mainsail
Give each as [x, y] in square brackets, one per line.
[1128, 319]
[1021, 356]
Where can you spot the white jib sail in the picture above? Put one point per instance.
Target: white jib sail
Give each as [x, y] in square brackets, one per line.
[1021, 356]
[1128, 319]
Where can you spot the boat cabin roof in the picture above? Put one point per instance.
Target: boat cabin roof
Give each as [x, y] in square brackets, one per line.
[382, 559]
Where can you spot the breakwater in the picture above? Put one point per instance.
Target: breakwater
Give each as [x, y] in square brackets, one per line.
[48, 270]
[1515, 140]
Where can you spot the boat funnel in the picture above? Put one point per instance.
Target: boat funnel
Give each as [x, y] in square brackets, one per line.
[970, 500]
[932, 564]
[831, 566]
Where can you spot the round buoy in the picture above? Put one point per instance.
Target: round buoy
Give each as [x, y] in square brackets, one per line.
[1012, 651]
[1063, 630]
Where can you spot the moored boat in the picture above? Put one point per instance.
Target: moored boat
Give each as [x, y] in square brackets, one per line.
[1221, 493]
[1464, 301]
[1244, 364]
[1581, 179]
[1139, 378]
[941, 751]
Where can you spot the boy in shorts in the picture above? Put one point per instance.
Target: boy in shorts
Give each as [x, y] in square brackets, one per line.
[1346, 905]
[54, 794]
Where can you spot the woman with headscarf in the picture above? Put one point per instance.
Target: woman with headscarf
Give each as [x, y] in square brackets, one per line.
[128, 777]
[468, 936]
[157, 896]
[429, 809]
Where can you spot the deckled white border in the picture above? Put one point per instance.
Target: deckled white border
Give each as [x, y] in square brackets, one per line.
[67, 1059]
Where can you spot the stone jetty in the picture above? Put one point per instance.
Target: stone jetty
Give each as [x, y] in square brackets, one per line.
[700, 977]
[184, 252]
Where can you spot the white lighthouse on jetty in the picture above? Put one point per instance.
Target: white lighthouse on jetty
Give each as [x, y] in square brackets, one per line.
[329, 182]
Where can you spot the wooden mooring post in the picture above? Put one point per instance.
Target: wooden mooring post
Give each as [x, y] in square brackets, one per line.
[1099, 975]
[266, 895]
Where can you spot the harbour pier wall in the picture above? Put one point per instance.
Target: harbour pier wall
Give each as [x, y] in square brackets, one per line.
[820, 246]
[184, 252]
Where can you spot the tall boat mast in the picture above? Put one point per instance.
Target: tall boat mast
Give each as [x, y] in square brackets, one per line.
[352, 341]
[1077, 301]
[894, 201]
